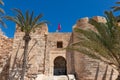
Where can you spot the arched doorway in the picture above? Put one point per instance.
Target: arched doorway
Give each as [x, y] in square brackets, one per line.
[60, 66]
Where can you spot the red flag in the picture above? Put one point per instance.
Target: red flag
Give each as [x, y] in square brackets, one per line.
[59, 27]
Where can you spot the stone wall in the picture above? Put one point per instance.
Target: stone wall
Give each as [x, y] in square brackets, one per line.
[53, 51]
[85, 67]
[5, 48]
[43, 51]
[36, 49]
[5, 44]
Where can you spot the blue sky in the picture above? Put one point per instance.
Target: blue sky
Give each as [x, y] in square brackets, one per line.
[65, 12]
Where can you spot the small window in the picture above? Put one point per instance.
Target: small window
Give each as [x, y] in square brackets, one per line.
[59, 44]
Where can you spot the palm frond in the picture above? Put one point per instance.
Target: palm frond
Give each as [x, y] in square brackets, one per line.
[27, 22]
[31, 18]
[36, 19]
[93, 42]
[12, 19]
[116, 8]
[19, 13]
[27, 18]
[39, 25]
[117, 2]
[1, 2]
[2, 11]
[2, 23]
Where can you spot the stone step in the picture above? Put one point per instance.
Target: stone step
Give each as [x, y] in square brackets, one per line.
[62, 77]
[43, 77]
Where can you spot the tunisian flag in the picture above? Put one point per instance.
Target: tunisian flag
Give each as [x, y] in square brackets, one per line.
[59, 27]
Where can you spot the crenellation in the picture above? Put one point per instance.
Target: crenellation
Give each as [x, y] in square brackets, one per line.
[99, 19]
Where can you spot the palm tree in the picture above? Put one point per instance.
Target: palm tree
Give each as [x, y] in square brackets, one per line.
[2, 12]
[27, 24]
[103, 43]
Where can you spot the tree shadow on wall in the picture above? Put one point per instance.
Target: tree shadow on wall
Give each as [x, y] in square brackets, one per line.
[105, 73]
[12, 69]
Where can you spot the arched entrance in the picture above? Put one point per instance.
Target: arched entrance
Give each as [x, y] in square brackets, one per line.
[60, 66]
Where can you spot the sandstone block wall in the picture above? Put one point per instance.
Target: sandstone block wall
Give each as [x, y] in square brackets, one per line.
[43, 51]
[36, 49]
[52, 49]
[85, 67]
[5, 48]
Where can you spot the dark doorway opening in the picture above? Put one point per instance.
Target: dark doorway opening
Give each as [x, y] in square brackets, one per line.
[60, 66]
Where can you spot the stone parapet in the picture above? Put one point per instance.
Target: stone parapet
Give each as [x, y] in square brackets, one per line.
[84, 22]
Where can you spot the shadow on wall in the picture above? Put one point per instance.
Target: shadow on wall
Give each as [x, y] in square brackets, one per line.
[105, 73]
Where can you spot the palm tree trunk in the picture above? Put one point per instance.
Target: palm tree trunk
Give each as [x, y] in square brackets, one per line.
[24, 65]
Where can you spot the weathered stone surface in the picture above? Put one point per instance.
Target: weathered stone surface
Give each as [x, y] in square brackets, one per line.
[5, 49]
[85, 67]
[5, 45]
[43, 51]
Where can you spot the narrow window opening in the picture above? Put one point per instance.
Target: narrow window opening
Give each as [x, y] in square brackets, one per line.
[59, 44]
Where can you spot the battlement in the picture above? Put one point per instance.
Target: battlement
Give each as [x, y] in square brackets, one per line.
[83, 22]
[99, 19]
[43, 29]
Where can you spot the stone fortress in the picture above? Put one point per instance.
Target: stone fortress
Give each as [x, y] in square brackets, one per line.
[50, 61]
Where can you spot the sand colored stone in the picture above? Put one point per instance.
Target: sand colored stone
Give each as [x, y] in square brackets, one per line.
[45, 52]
